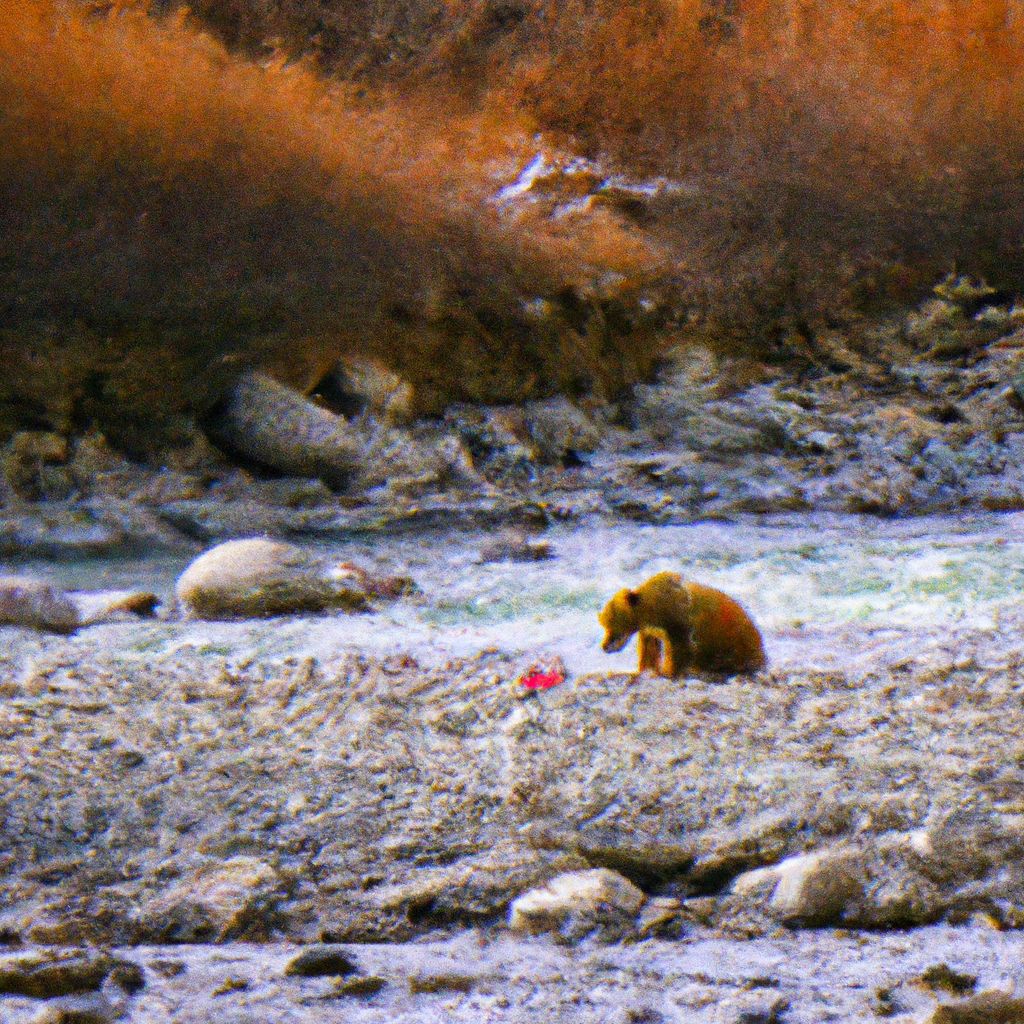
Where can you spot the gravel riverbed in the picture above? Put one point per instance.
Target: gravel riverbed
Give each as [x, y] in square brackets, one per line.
[800, 978]
[383, 779]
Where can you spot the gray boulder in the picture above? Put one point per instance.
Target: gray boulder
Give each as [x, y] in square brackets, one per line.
[25, 601]
[256, 578]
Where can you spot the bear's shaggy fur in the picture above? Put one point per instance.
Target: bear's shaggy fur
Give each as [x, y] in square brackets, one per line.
[684, 627]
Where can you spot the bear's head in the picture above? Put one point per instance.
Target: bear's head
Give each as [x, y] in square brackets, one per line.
[619, 620]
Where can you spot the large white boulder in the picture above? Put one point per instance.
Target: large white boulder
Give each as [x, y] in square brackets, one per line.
[256, 578]
[580, 903]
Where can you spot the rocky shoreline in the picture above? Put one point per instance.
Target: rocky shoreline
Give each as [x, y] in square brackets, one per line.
[243, 787]
[375, 800]
[477, 977]
[868, 780]
[913, 416]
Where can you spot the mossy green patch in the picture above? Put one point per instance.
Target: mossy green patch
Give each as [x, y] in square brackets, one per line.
[151, 644]
[216, 650]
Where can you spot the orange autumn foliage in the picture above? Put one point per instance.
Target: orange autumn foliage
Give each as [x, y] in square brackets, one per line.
[841, 150]
[171, 212]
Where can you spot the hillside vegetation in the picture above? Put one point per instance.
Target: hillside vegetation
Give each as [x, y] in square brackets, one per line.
[170, 213]
[276, 182]
[846, 149]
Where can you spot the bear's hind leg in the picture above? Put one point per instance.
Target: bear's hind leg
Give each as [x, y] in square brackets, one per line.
[668, 663]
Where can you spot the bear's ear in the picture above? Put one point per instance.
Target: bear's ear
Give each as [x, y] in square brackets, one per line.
[632, 598]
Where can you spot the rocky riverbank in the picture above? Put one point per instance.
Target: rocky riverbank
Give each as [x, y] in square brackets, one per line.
[374, 800]
[796, 978]
[384, 778]
[922, 414]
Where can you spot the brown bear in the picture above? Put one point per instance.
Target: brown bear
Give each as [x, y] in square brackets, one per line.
[684, 627]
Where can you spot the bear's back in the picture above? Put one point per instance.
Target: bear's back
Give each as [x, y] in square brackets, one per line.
[723, 637]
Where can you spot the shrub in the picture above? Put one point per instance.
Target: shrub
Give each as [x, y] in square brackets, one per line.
[170, 213]
[844, 153]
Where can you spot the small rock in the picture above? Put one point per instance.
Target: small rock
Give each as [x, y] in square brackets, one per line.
[128, 976]
[401, 463]
[1015, 392]
[367, 985]
[70, 930]
[886, 1004]
[322, 960]
[770, 1014]
[992, 1007]
[168, 968]
[33, 464]
[234, 900]
[1002, 318]
[257, 578]
[809, 889]
[936, 320]
[229, 985]
[964, 291]
[700, 910]
[45, 976]
[641, 1015]
[91, 1009]
[661, 916]
[441, 981]
[514, 546]
[358, 385]
[36, 604]
[760, 981]
[496, 439]
[942, 978]
[387, 588]
[578, 903]
[561, 432]
[822, 441]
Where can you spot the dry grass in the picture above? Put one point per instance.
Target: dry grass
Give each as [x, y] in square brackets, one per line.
[170, 212]
[848, 151]
[179, 208]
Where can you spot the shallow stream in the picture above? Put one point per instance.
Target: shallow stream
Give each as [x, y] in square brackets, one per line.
[809, 580]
